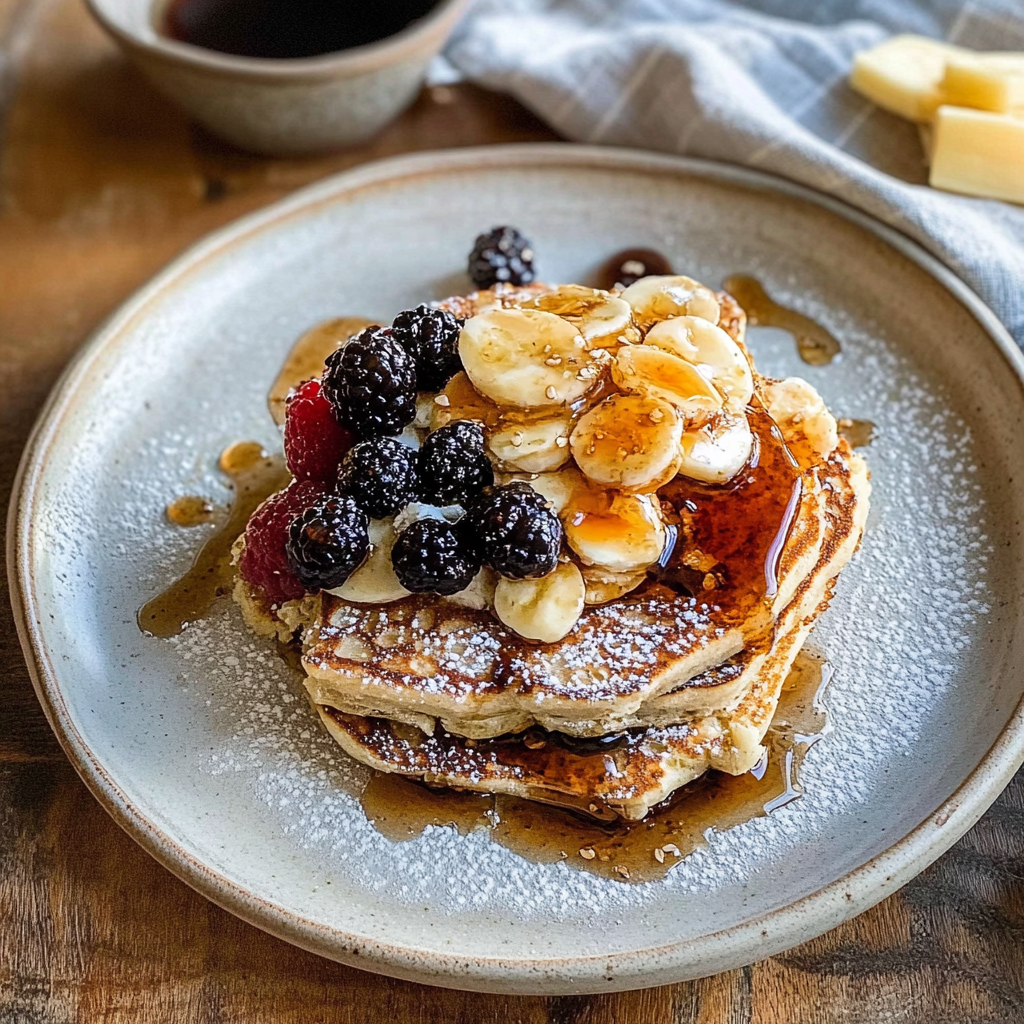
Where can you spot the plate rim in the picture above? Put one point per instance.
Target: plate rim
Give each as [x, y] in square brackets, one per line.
[738, 945]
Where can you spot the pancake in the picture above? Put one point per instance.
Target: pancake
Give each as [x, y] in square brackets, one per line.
[682, 661]
[651, 761]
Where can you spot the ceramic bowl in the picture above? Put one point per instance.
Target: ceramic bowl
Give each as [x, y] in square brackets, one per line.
[282, 107]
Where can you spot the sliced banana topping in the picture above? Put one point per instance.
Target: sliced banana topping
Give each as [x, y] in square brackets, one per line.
[374, 582]
[603, 319]
[621, 533]
[558, 487]
[658, 298]
[798, 408]
[651, 371]
[480, 592]
[461, 401]
[629, 441]
[538, 447]
[716, 452]
[526, 357]
[544, 609]
[714, 354]
[604, 586]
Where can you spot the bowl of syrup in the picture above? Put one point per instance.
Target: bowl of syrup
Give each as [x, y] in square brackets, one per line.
[284, 77]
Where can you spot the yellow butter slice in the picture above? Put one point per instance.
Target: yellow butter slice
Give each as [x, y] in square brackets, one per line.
[904, 74]
[979, 153]
[983, 83]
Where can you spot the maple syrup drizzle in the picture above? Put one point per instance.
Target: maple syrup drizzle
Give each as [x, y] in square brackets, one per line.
[642, 851]
[306, 359]
[740, 527]
[860, 433]
[628, 266]
[254, 476]
[190, 510]
[815, 344]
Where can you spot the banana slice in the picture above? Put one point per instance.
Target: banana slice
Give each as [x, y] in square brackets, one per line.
[461, 401]
[620, 533]
[538, 447]
[558, 488]
[714, 354]
[604, 586]
[647, 370]
[658, 298]
[798, 409]
[526, 357]
[544, 609]
[375, 580]
[604, 320]
[629, 441]
[716, 452]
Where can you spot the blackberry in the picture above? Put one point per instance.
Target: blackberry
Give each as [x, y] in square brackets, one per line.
[431, 337]
[514, 531]
[328, 542]
[453, 465]
[428, 557]
[379, 475]
[502, 256]
[371, 384]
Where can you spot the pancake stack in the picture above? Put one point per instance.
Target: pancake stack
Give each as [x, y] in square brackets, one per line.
[707, 514]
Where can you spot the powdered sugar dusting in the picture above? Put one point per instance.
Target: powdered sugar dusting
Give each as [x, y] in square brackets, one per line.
[904, 611]
[210, 737]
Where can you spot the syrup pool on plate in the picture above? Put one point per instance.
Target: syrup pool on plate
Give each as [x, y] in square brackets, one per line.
[190, 510]
[254, 476]
[816, 346]
[639, 851]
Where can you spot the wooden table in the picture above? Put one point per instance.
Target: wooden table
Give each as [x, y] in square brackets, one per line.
[101, 183]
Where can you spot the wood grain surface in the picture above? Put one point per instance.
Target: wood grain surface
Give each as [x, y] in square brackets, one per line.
[101, 182]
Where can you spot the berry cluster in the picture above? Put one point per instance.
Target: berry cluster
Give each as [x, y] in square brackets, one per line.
[372, 381]
[509, 528]
[349, 467]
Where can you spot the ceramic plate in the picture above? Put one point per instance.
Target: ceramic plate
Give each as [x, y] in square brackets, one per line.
[202, 746]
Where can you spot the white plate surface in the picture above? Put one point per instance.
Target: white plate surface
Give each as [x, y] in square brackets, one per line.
[202, 748]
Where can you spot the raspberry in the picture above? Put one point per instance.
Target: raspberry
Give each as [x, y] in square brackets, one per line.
[264, 561]
[314, 443]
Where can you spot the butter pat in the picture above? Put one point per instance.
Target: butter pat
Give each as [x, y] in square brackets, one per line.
[904, 74]
[983, 82]
[978, 153]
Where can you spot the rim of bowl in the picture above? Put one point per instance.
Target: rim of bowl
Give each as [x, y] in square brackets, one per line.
[418, 35]
[728, 948]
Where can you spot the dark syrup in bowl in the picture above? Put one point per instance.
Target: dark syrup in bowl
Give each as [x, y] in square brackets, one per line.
[288, 29]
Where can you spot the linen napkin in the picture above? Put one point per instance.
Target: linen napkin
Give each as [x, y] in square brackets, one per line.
[761, 83]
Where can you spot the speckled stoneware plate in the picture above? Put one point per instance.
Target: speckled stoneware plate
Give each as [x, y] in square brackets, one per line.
[202, 746]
